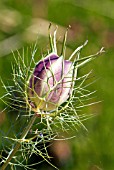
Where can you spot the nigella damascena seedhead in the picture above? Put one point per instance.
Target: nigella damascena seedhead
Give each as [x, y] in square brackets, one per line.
[51, 82]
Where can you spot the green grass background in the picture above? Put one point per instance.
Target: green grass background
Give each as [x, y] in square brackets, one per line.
[92, 20]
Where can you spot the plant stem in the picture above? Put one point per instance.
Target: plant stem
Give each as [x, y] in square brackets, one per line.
[17, 146]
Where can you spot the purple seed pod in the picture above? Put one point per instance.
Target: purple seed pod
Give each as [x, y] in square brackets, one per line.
[50, 85]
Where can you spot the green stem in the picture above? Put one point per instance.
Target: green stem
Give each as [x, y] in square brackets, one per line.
[17, 146]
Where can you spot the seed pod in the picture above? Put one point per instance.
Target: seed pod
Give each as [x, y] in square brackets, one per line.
[51, 82]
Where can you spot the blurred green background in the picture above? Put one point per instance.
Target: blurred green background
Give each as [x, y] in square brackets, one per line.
[23, 22]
